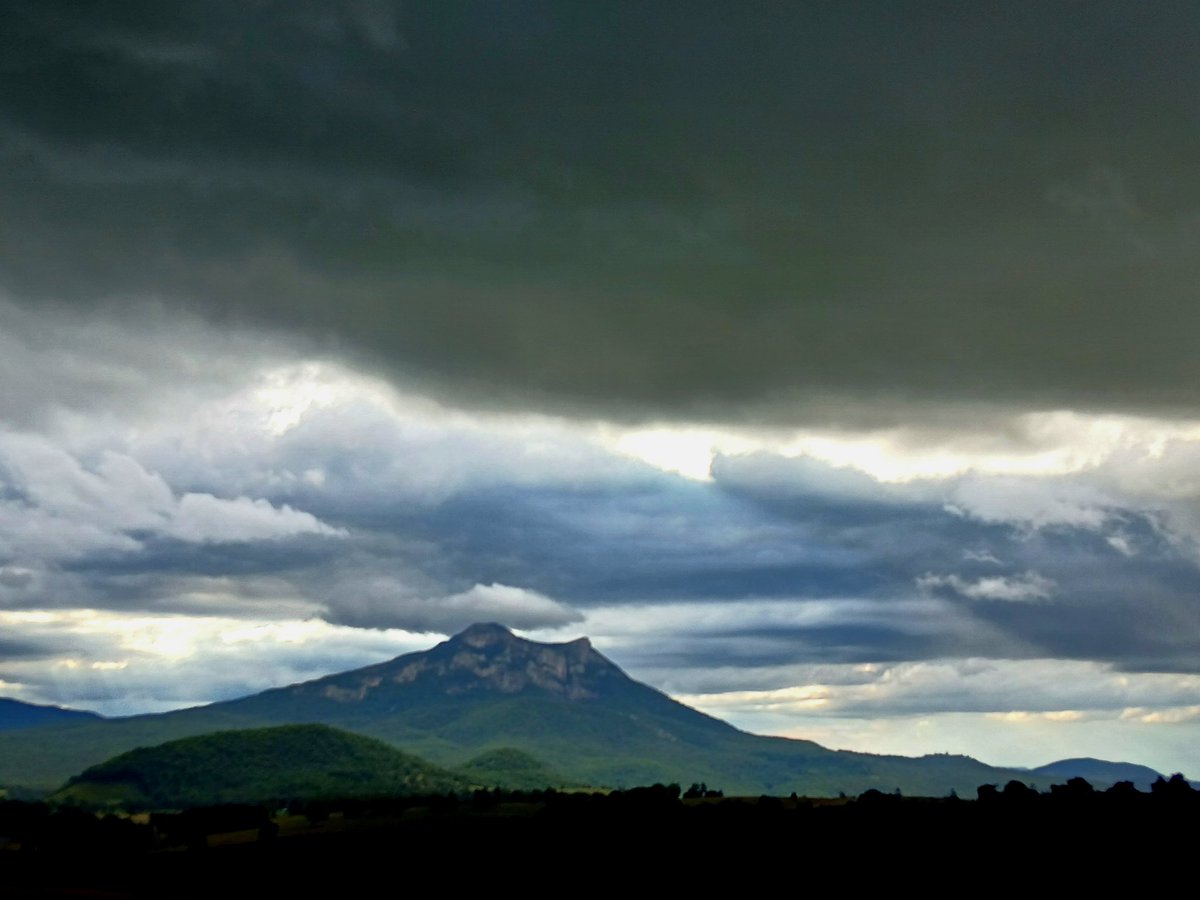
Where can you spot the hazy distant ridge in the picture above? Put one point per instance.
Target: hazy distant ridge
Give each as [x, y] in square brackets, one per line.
[16, 714]
[1098, 772]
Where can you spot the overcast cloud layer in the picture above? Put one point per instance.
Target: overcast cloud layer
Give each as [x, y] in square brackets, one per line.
[664, 210]
[832, 368]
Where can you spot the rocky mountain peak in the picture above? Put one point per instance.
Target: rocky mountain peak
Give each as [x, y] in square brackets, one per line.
[483, 658]
[488, 656]
[482, 634]
[492, 634]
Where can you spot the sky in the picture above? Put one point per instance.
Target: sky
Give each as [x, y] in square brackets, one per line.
[833, 367]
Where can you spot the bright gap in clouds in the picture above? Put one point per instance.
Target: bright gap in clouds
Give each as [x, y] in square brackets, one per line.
[122, 664]
[1017, 740]
[1039, 444]
[1046, 443]
[1006, 712]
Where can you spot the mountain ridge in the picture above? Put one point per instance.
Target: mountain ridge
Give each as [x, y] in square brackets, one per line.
[556, 668]
[486, 689]
[17, 714]
[486, 658]
[1100, 773]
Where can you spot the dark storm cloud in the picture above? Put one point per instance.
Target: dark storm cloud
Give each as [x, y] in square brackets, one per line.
[644, 209]
[1118, 588]
[675, 541]
[146, 360]
[18, 648]
[891, 639]
[1060, 591]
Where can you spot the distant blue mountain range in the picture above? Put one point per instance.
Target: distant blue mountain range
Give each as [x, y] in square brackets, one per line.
[17, 714]
[1098, 772]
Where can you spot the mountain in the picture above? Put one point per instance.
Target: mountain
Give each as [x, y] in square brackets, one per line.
[285, 762]
[484, 689]
[18, 714]
[1099, 773]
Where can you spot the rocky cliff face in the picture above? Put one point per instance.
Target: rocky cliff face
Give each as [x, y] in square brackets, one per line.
[485, 658]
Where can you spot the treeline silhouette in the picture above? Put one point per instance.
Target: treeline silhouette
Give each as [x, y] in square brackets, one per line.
[36, 827]
[324, 842]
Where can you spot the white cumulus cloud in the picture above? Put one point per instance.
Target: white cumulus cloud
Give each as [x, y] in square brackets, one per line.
[1027, 586]
[54, 506]
[386, 603]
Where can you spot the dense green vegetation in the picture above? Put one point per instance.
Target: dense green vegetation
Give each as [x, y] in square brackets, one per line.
[256, 765]
[507, 767]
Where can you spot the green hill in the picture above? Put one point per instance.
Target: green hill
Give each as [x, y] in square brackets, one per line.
[564, 704]
[514, 769]
[282, 763]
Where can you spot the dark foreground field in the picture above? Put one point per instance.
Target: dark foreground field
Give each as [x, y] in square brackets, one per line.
[542, 843]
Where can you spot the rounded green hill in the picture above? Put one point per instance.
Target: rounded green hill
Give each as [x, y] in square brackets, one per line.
[264, 764]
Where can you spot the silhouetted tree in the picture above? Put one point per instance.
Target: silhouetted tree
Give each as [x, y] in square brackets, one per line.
[1123, 790]
[1076, 789]
[1019, 792]
[1176, 787]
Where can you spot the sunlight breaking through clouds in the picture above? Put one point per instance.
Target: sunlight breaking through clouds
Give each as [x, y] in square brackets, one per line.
[122, 664]
[1034, 444]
